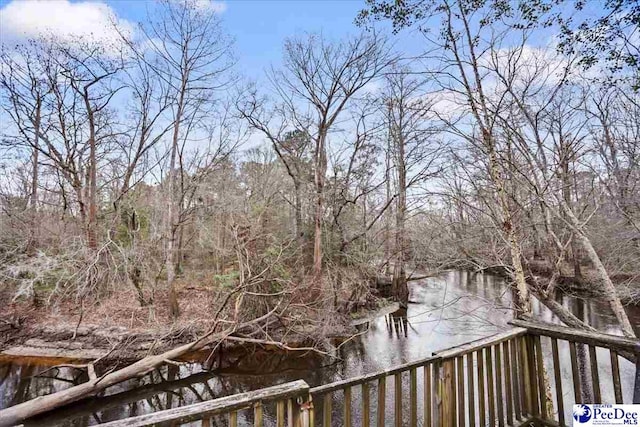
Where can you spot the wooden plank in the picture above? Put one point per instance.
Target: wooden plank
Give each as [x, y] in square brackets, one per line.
[531, 355]
[542, 390]
[461, 394]
[481, 407]
[200, 410]
[636, 386]
[471, 390]
[500, 396]
[490, 386]
[427, 396]
[233, 419]
[326, 410]
[446, 394]
[436, 385]
[340, 385]
[481, 343]
[557, 374]
[413, 397]
[397, 382]
[525, 378]
[382, 387]
[366, 405]
[507, 382]
[615, 372]
[346, 414]
[280, 411]
[206, 422]
[599, 339]
[451, 367]
[595, 375]
[577, 390]
[516, 378]
[258, 420]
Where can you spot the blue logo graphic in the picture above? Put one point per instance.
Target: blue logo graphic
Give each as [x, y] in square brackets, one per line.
[582, 413]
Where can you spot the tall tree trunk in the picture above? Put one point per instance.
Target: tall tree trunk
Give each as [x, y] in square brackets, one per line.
[607, 287]
[523, 302]
[33, 199]
[92, 217]
[172, 210]
[319, 179]
[297, 207]
[399, 287]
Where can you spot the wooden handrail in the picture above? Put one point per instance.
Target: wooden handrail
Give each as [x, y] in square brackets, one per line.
[210, 408]
[350, 382]
[480, 343]
[599, 339]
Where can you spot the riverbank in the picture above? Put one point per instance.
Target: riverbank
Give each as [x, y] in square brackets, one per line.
[119, 330]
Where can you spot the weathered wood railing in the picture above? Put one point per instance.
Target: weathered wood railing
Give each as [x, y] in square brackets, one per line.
[513, 378]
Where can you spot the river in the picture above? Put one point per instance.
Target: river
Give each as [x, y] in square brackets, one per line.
[445, 311]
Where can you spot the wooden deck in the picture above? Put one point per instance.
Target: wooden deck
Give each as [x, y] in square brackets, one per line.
[499, 380]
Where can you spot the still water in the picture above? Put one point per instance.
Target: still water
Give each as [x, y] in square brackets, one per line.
[445, 311]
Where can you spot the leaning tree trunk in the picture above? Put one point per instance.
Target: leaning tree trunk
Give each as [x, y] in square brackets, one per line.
[607, 287]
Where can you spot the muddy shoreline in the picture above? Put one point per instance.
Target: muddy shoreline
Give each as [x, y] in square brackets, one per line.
[53, 345]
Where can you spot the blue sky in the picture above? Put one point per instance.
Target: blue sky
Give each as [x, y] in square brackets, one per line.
[259, 27]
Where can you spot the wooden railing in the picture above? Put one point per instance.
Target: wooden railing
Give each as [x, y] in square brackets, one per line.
[513, 378]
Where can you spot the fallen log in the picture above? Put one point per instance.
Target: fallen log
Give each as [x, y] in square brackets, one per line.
[23, 411]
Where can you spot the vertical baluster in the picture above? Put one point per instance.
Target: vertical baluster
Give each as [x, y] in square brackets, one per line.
[481, 408]
[280, 411]
[347, 407]
[542, 391]
[257, 415]
[413, 397]
[233, 419]
[398, 399]
[507, 381]
[516, 377]
[365, 405]
[326, 410]
[382, 386]
[615, 372]
[636, 384]
[471, 389]
[206, 422]
[500, 397]
[490, 385]
[460, 375]
[525, 379]
[558, 380]
[452, 390]
[427, 395]
[595, 376]
[577, 389]
[533, 375]
[446, 395]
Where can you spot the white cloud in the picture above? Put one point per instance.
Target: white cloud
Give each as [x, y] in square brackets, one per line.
[211, 6]
[61, 19]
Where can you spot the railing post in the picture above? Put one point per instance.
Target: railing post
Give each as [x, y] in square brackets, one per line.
[300, 411]
[437, 393]
[636, 387]
[445, 398]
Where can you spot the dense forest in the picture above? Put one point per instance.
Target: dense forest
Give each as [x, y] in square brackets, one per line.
[148, 184]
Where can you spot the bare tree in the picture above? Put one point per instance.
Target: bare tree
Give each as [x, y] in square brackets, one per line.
[318, 80]
[191, 54]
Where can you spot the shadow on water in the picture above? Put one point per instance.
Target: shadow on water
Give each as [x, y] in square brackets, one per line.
[445, 311]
